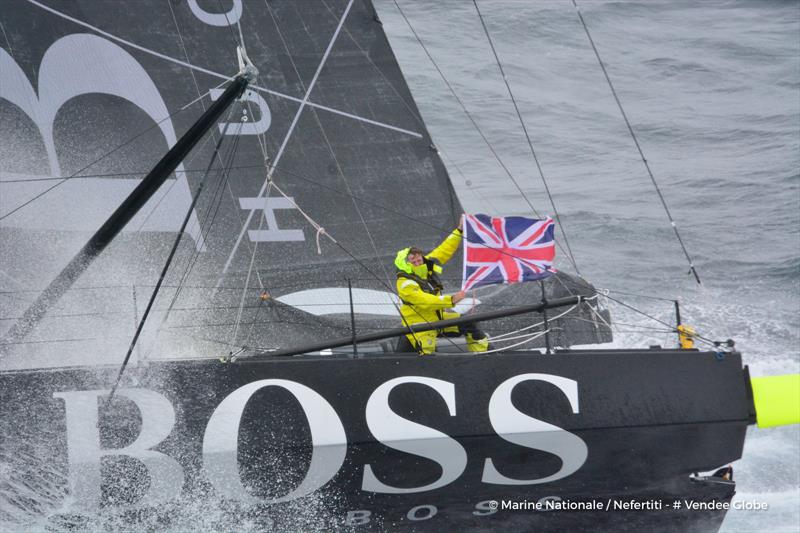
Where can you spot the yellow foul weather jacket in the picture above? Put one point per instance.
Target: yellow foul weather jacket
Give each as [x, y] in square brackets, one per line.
[419, 287]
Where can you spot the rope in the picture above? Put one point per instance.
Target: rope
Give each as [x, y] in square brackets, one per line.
[185, 53]
[250, 267]
[638, 311]
[692, 269]
[377, 205]
[640, 327]
[413, 112]
[505, 348]
[262, 145]
[294, 174]
[160, 280]
[535, 334]
[502, 336]
[320, 230]
[527, 136]
[671, 300]
[172, 184]
[129, 173]
[209, 224]
[673, 329]
[477, 128]
[599, 317]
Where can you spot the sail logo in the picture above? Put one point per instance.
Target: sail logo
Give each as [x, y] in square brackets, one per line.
[106, 69]
[248, 125]
[217, 19]
[220, 441]
[272, 233]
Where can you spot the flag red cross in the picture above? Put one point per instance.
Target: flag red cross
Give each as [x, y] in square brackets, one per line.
[495, 250]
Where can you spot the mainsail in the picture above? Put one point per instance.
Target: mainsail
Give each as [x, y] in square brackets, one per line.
[325, 171]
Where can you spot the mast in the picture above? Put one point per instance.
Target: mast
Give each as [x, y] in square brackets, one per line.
[132, 204]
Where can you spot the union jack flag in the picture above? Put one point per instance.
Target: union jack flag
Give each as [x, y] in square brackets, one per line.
[507, 250]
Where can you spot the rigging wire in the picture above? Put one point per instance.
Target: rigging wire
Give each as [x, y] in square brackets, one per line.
[632, 308]
[163, 274]
[117, 174]
[375, 204]
[250, 267]
[529, 339]
[329, 146]
[185, 52]
[667, 324]
[262, 143]
[692, 269]
[274, 167]
[641, 295]
[8, 42]
[527, 136]
[289, 133]
[349, 193]
[320, 230]
[239, 42]
[214, 204]
[478, 128]
[75, 174]
[412, 111]
[166, 194]
[226, 180]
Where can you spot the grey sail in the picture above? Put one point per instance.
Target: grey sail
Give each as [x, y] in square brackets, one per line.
[330, 122]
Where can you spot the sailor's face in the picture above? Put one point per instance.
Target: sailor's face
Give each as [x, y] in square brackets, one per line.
[414, 259]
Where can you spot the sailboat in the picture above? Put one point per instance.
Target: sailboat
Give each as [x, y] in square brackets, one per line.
[263, 379]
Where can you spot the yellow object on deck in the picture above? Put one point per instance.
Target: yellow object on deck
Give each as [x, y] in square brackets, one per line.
[686, 336]
[777, 400]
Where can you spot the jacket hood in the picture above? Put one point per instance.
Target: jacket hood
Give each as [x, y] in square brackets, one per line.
[404, 266]
[401, 263]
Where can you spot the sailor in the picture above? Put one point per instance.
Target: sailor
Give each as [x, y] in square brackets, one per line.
[420, 290]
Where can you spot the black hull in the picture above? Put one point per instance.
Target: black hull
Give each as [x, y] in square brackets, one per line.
[620, 426]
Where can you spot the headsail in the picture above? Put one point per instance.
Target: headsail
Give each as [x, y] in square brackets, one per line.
[331, 124]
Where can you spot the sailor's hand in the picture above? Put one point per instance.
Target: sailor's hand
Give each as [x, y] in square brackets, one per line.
[461, 224]
[457, 297]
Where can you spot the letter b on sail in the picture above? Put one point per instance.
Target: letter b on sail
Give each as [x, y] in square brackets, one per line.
[105, 68]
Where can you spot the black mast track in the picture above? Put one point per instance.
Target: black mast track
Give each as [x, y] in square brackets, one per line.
[418, 328]
[124, 213]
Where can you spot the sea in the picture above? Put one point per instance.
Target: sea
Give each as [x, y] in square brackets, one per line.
[712, 92]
